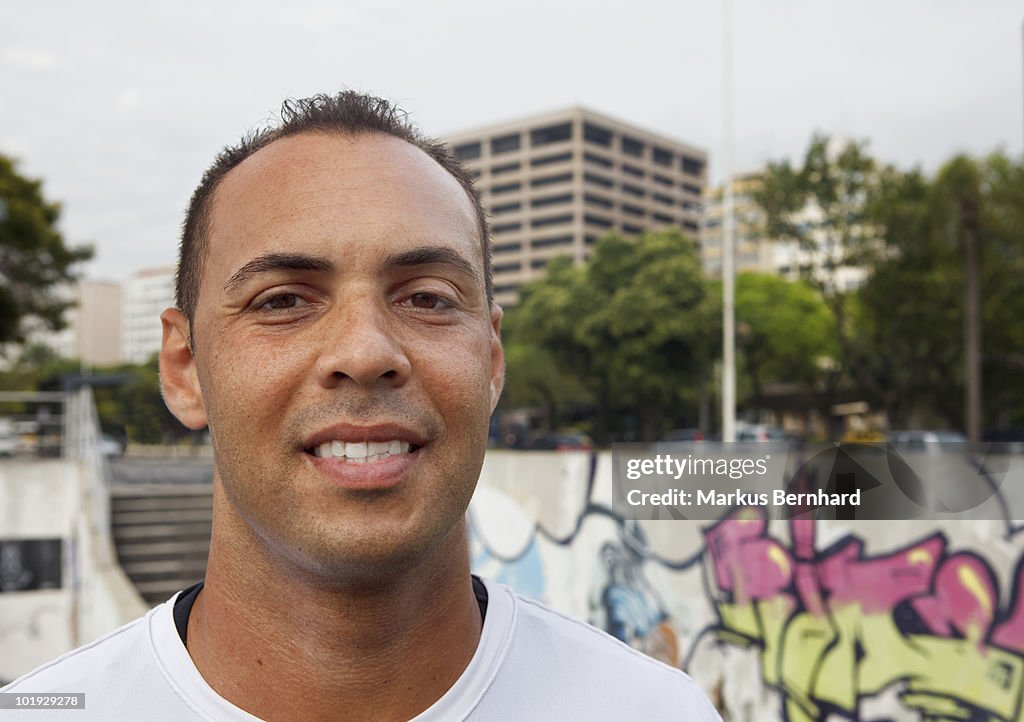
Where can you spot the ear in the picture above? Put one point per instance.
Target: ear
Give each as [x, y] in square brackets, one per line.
[179, 381]
[497, 356]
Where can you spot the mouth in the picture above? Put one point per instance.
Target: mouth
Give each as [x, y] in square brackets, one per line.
[362, 452]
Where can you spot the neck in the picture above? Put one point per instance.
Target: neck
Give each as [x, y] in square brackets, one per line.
[283, 642]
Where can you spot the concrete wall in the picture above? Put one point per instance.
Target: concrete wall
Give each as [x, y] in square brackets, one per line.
[51, 499]
[38, 500]
[796, 620]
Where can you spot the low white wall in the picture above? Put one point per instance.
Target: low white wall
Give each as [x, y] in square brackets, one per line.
[50, 499]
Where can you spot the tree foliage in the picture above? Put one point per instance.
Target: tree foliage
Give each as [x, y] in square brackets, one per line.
[35, 263]
[900, 335]
[633, 325]
[911, 342]
[784, 332]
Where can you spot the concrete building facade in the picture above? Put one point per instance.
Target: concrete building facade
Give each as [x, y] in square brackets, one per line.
[146, 294]
[554, 183]
[755, 252]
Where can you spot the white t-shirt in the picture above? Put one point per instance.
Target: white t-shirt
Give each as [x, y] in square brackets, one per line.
[532, 663]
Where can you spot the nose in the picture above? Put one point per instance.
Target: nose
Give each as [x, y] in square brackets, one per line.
[359, 344]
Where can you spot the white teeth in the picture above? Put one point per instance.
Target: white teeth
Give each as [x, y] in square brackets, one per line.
[355, 450]
[362, 451]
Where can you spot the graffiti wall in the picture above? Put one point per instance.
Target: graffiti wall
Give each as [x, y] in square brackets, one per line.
[786, 620]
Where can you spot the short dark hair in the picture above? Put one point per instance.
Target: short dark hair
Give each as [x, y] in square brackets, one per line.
[346, 113]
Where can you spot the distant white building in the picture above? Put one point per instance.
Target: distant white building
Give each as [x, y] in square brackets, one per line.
[757, 253]
[146, 294]
[92, 331]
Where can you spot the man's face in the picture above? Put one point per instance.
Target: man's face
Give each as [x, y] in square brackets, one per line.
[347, 356]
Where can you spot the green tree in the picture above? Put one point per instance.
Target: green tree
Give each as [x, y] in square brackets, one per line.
[533, 378]
[784, 332]
[632, 325]
[35, 263]
[909, 346]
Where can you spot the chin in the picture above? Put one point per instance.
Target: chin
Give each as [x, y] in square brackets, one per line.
[343, 559]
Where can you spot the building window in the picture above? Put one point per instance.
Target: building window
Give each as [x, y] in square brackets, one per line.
[690, 188]
[598, 221]
[663, 199]
[506, 208]
[551, 200]
[505, 188]
[690, 226]
[507, 247]
[632, 146]
[550, 180]
[506, 227]
[506, 288]
[549, 159]
[631, 229]
[551, 221]
[549, 242]
[551, 134]
[662, 180]
[713, 223]
[468, 151]
[633, 190]
[505, 144]
[597, 180]
[538, 263]
[692, 166]
[596, 134]
[590, 240]
[507, 267]
[632, 210]
[592, 200]
[504, 168]
[660, 218]
[632, 170]
[597, 160]
[662, 156]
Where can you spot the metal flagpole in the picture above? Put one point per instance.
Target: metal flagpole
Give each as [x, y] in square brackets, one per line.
[728, 241]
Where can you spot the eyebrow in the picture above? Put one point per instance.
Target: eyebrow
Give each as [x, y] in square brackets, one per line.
[426, 255]
[277, 262]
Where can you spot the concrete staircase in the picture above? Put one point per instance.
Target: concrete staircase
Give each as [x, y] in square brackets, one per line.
[162, 535]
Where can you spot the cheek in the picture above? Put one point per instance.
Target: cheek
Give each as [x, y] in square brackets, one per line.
[249, 383]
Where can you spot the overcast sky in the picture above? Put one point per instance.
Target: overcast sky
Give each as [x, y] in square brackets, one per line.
[119, 106]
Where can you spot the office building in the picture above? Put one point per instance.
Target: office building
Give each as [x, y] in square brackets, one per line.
[554, 183]
[92, 330]
[754, 251]
[146, 294]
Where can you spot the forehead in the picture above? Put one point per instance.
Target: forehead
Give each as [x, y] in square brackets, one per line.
[363, 196]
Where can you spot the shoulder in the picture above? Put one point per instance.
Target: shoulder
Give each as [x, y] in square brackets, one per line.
[588, 662]
[115, 656]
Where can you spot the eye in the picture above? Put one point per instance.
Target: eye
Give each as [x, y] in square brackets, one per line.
[430, 301]
[282, 302]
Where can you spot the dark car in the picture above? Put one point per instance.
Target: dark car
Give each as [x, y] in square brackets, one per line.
[561, 442]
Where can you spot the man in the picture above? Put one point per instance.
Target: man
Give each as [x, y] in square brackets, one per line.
[337, 335]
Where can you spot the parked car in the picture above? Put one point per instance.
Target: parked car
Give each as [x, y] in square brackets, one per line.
[683, 435]
[760, 432]
[926, 440]
[8, 443]
[561, 441]
[109, 446]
